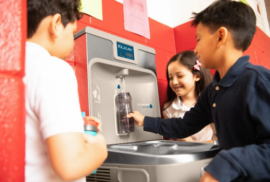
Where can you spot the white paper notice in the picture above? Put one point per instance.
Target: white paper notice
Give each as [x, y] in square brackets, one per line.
[92, 8]
[259, 14]
[136, 17]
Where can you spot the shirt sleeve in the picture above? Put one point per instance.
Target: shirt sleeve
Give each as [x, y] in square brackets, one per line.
[57, 102]
[251, 161]
[193, 121]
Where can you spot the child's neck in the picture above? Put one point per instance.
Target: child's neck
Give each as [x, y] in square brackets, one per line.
[228, 61]
[189, 100]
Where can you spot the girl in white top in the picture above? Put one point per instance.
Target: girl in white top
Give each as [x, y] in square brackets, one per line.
[186, 79]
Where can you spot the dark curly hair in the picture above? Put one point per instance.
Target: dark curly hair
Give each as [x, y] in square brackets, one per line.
[237, 17]
[37, 10]
[188, 59]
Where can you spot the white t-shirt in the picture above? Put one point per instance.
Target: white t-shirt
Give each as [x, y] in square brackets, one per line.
[52, 107]
[177, 110]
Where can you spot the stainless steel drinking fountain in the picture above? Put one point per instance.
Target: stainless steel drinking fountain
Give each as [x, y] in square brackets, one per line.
[104, 64]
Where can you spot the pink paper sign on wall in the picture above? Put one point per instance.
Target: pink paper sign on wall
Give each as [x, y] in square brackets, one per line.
[136, 17]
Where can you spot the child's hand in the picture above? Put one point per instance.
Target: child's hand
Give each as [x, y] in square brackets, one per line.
[188, 139]
[94, 139]
[138, 117]
[97, 120]
[207, 177]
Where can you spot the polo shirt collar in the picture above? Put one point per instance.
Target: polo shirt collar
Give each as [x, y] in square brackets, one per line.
[178, 105]
[232, 75]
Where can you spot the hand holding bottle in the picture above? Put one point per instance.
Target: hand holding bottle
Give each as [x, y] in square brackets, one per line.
[92, 126]
[96, 120]
[138, 118]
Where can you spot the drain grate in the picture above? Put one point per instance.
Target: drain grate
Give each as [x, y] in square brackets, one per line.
[102, 175]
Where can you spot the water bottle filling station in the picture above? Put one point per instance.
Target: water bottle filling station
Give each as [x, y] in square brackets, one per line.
[119, 77]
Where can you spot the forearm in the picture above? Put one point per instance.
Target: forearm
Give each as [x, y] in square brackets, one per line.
[174, 127]
[72, 157]
[86, 161]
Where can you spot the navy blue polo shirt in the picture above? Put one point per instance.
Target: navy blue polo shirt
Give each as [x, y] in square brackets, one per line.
[239, 105]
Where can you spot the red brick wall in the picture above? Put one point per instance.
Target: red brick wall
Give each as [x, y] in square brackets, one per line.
[12, 109]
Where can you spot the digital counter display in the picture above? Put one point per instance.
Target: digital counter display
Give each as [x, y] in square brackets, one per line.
[125, 51]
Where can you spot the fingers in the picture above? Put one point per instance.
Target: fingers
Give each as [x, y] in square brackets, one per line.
[93, 118]
[97, 120]
[138, 118]
[133, 114]
[130, 115]
[136, 112]
[188, 139]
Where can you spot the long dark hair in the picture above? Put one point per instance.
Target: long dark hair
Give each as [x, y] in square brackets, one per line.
[188, 59]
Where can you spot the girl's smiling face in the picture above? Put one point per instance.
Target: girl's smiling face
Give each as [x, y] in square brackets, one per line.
[181, 79]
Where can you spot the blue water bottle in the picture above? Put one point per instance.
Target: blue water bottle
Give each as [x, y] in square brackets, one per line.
[90, 128]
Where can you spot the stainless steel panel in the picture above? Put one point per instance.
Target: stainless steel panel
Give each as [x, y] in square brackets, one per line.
[160, 152]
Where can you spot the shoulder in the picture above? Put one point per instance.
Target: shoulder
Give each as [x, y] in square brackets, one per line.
[166, 105]
[169, 105]
[167, 109]
[58, 71]
[255, 72]
[60, 66]
[173, 109]
[57, 65]
[49, 66]
[44, 72]
[38, 61]
[257, 81]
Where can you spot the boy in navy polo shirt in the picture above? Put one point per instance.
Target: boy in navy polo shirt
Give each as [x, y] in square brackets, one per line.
[236, 101]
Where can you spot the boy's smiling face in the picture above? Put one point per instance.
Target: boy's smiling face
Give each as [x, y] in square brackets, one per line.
[206, 46]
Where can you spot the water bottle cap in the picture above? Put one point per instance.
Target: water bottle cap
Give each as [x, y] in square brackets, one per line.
[90, 128]
[90, 122]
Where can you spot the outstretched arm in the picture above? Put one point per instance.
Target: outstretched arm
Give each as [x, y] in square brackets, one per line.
[193, 121]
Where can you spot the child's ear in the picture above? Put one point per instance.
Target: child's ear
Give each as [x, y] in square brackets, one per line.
[56, 26]
[222, 34]
[197, 78]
